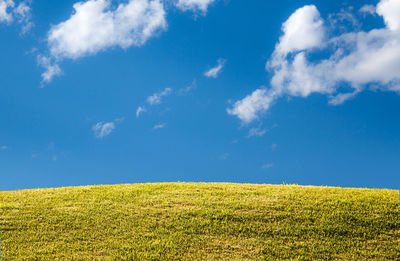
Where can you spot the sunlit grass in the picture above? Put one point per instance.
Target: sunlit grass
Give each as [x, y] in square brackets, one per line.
[192, 221]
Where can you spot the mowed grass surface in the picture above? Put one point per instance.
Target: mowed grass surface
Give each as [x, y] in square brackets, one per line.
[199, 221]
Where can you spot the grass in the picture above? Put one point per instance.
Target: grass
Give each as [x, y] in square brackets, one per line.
[200, 221]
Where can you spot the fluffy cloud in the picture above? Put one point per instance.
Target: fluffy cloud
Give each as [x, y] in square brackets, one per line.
[214, 72]
[390, 11]
[303, 30]
[97, 25]
[357, 60]
[9, 11]
[194, 5]
[156, 97]
[248, 108]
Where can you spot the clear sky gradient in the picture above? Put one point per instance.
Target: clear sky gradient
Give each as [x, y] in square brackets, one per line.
[108, 92]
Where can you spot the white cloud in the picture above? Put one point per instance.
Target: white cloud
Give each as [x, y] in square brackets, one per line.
[194, 5]
[51, 69]
[97, 25]
[256, 132]
[248, 108]
[4, 147]
[23, 14]
[357, 60]
[368, 9]
[214, 72]
[267, 166]
[6, 14]
[94, 26]
[140, 110]
[156, 98]
[344, 19]
[390, 11]
[9, 12]
[102, 130]
[303, 30]
[119, 120]
[159, 126]
[188, 89]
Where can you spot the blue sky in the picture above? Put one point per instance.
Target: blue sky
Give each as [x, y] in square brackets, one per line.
[107, 92]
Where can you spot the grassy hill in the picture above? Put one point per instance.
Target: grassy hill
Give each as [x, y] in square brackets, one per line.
[192, 221]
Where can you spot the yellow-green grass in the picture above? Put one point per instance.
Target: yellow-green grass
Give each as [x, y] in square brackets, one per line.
[200, 221]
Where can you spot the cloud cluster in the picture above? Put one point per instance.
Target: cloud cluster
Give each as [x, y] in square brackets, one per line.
[152, 100]
[98, 25]
[356, 60]
[21, 12]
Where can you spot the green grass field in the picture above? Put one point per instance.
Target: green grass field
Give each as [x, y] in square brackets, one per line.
[200, 221]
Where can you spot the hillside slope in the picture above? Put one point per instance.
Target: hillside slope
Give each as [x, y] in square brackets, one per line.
[192, 221]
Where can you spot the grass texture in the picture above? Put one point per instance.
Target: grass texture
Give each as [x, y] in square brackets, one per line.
[200, 221]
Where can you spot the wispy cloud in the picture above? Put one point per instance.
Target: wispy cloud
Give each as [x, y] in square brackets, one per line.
[159, 126]
[215, 71]
[256, 132]
[368, 9]
[194, 5]
[102, 130]
[156, 98]
[224, 156]
[119, 120]
[6, 7]
[4, 147]
[140, 110]
[23, 14]
[267, 166]
[52, 69]
[189, 88]
[10, 12]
